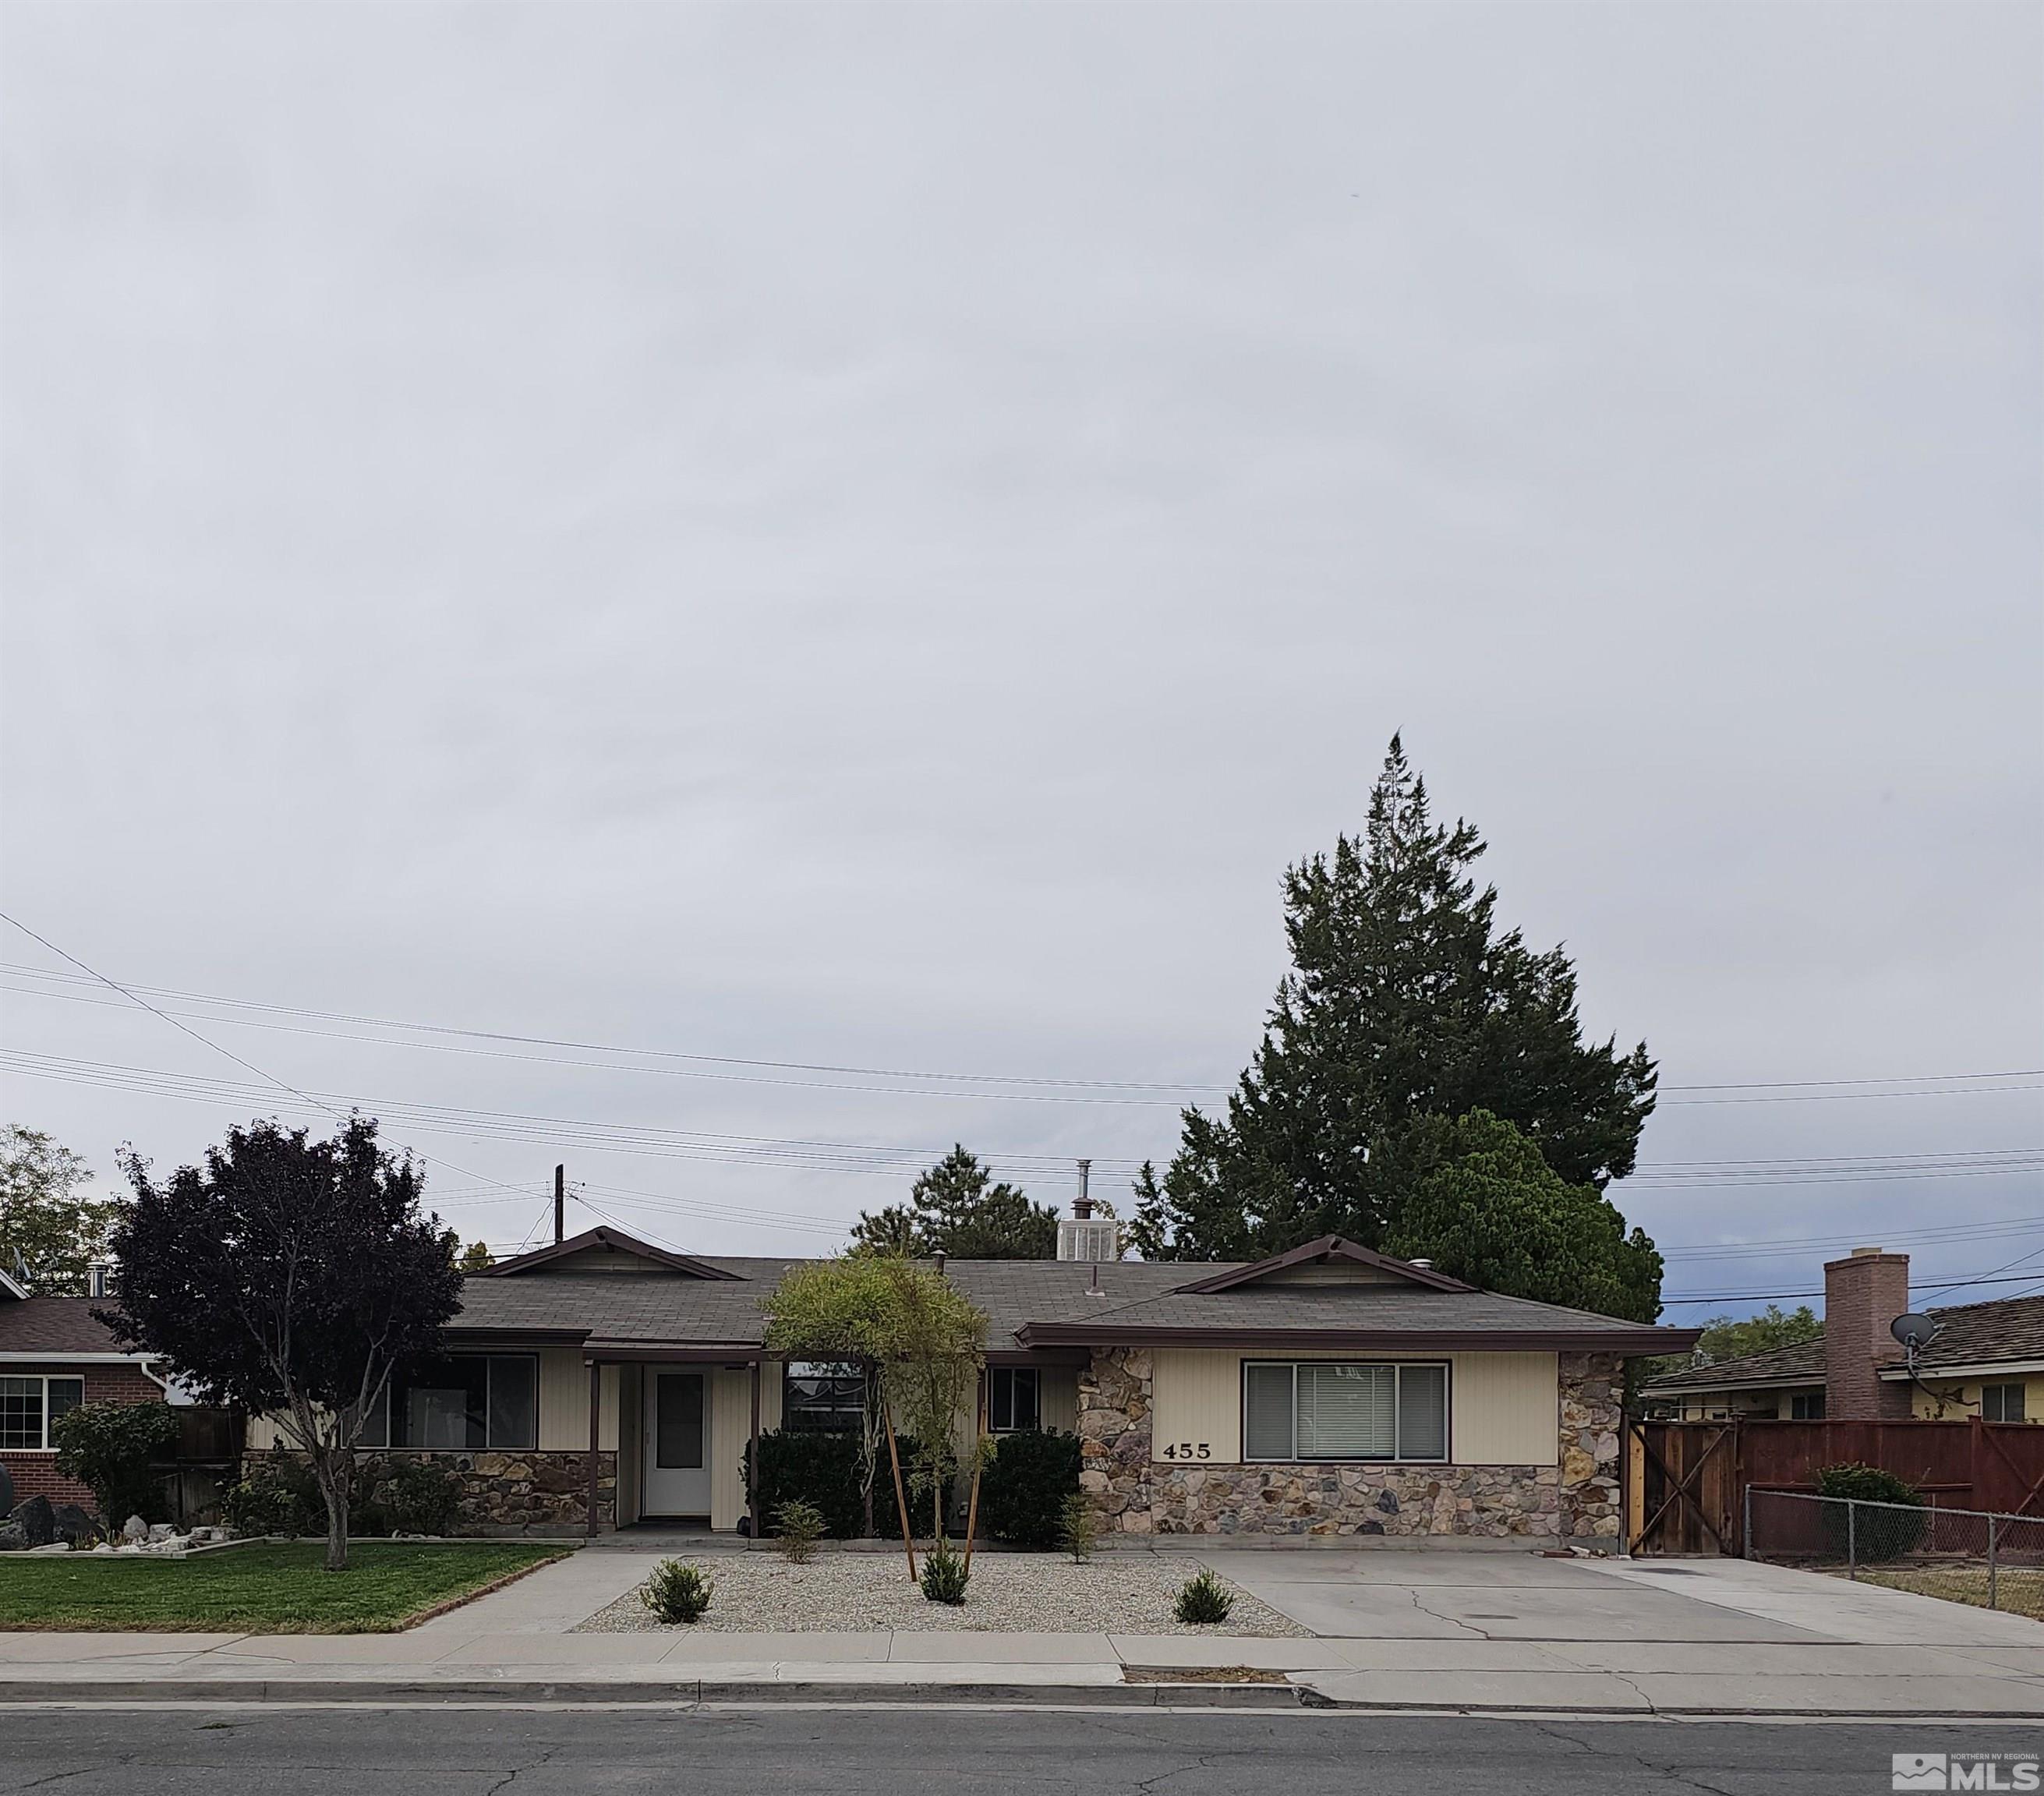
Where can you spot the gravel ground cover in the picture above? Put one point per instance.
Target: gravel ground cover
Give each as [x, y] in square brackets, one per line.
[1010, 1593]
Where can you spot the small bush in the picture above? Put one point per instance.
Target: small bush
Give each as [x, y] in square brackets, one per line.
[110, 1448]
[677, 1592]
[1078, 1528]
[1871, 1534]
[276, 1494]
[944, 1574]
[1204, 1600]
[797, 1527]
[421, 1497]
[1023, 1491]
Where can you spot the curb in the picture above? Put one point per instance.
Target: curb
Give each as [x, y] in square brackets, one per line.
[686, 1690]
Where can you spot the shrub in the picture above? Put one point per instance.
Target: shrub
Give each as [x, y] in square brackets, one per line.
[1204, 1600]
[677, 1592]
[1871, 1533]
[1079, 1527]
[110, 1446]
[421, 1497]
[1023, 1491]
[276, 1495]
[798, 1526]
[823, 1469]
[820, 1471]
[944, 1574]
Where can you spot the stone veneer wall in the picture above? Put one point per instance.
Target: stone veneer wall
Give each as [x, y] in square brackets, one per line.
[511, 1492]
[1577, 1499]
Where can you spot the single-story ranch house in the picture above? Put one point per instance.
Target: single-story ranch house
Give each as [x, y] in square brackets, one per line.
[601, 1381]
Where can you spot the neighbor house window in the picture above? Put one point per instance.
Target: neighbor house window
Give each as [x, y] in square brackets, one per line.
[823, 1397]
[1324, 1409]
[29, 1407]
[462, 1403]
[1807, 1405]
[1011, 1398]
[2001, 1403]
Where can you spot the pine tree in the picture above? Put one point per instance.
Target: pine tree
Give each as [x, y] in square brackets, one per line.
[1404, 1002]
[956, 1205]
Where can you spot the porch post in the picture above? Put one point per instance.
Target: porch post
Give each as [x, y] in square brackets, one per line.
[595, 1416]
[752, 1482]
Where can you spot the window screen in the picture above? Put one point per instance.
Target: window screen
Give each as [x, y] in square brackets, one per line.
[1266, 1404]
[1423, 1412]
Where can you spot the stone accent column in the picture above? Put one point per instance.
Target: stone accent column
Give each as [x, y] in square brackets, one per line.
[1114, 1404]
[1592, 1393]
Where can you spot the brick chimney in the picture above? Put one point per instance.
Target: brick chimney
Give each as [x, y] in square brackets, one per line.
[1863, 1294]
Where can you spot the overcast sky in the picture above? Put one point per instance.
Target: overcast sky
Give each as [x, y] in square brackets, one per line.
[869, 536]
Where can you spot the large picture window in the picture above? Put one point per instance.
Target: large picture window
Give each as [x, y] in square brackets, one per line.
[29, 1407]
[1334, 1409]
[462, 1403]
[823, 1397]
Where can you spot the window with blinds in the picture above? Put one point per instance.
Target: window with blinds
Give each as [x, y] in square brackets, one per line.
[1318, 1409]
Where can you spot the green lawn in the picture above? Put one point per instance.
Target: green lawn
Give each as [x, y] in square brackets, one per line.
[275, 1588]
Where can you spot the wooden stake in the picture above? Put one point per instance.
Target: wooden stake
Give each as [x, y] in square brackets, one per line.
[901, 1496]
[972, 1513]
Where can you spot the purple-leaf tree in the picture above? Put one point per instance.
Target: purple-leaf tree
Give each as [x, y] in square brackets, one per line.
[287, 1277]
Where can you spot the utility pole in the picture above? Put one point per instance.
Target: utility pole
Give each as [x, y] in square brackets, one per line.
[560, 1203]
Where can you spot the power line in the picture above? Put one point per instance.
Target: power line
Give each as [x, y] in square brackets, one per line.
[270, 1078]
[1781, 1296]
[1815, 1089]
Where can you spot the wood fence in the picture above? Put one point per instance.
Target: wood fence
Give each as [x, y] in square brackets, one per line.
[1685, 1482]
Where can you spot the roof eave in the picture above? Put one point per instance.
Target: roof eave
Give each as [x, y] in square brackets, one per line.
[1629, 1342]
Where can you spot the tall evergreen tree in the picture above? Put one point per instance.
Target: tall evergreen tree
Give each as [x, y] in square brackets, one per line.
[1404, 1002]
[959, 1207]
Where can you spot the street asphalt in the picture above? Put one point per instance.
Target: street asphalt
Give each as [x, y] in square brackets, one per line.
[781, 1752]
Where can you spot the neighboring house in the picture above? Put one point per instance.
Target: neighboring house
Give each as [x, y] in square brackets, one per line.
[1987, 1361]
[54, 1355]
[602, 1381]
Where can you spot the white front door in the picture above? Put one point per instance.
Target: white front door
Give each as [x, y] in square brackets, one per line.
[677, 1443]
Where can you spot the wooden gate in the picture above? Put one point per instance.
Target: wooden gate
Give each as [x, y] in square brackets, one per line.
[1683, 1487]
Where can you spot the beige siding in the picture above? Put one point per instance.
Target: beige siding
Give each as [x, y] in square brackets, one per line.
[1504, 1409]
[1057, 1398]
[1197, 1395]
[631, 1475]
[564, 1402]
[730, 1394]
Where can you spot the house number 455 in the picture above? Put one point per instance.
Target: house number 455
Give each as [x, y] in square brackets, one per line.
[1189, 1450]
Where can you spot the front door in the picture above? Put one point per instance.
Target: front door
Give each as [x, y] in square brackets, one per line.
[677, 1444]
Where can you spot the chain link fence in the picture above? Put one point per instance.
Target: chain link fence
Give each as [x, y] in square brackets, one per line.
[1961, 1555]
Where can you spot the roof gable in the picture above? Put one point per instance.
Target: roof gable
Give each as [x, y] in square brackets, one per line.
[589, 1252]
[10, 1290]
[1330, 1254]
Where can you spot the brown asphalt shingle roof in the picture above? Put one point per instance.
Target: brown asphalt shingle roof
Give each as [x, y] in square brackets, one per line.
[1969, 1334]
[54, 1326]
[650, 1307]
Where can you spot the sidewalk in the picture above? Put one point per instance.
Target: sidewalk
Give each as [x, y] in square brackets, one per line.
[1405, 1631]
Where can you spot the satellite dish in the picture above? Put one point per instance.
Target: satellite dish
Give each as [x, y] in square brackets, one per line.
[1913, 1331]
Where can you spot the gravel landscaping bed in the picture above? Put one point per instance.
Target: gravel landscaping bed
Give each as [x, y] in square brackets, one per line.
[1010, 1593]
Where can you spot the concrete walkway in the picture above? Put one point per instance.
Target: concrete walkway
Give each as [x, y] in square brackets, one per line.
[1405, 1630]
